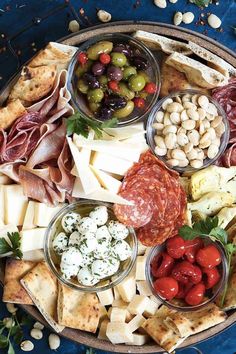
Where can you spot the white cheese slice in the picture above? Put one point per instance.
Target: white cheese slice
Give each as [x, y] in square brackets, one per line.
[127, 288]
[138, 304]
[2, 204]
[32, 239]
[139, 339]
[140, 268]
[7, 228]
[34, 256]
[110, 163]
[15, 204]
[136, 322]
[150, 308]
[74, 171]
[28, 223]
[106, 180]
[119, 332]
[100, 194]
[1, 223]
[85, 152]
[43, 214]
[88, 180]
[118, 314]
[126, 132]
[143, 288]
[106, 297]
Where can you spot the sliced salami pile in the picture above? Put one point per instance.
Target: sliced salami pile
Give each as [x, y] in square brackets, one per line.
[159, 202]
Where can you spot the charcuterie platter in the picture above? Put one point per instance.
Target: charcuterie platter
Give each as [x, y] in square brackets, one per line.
[117, 187]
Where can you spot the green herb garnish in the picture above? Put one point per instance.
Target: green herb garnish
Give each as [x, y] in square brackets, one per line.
[12, 246]
[209, 227]
[81, 125]
[201, 3]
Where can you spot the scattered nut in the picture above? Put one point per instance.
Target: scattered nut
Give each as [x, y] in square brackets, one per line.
[39, 325]
[188, 17]
[74, 26]
[104, 16]
[54, 341]
[11, 308]
[178, 18]
[8, 322]
[27, 346]
[214, 21]
[173, 1]
[36, 333]
[160, 3]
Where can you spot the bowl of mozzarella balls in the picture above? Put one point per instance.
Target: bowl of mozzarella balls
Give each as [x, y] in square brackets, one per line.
[87, 248]
[188, 130]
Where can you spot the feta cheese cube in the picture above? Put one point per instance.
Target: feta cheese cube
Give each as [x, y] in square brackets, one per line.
[139, 339]
[136, 322]
[118, 314]
[140, 268]
[119, 332]
[138, 304]
[151, 308]
[143, 288]
[106, 297]
[103, 329]
[127, 288]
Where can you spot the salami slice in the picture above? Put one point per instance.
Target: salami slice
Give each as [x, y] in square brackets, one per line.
[138, 214]
[151, 236]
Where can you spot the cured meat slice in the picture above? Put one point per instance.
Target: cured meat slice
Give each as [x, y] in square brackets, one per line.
[150, 235]
[138, 214]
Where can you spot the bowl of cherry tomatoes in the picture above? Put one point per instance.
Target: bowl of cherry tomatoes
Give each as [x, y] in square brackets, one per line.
[187, 275]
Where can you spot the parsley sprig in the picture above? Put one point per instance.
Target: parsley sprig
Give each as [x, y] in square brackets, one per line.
[81, 125]
[210, 227]
[13, 246]
[201, 3]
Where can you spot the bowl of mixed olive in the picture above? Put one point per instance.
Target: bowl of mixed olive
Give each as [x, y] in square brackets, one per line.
[114, 76]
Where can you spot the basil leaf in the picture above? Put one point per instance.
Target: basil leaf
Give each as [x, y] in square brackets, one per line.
[220, 234]
[188, 233]
[3, 341]
[10, 349]
[4, 246]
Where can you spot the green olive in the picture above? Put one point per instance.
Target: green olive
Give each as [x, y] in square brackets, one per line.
[103, 80]
[136, 82]
[96, 49]
[83, 68]
[129, 71]
[94, 107]
[144, 75]
[95, 95]
[118, 59]
[125, 91]
[125, 111]
[82, 87]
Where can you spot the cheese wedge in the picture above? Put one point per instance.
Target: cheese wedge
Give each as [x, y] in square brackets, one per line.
[110, 163]
[7, 228]
[32, 239]
[43, 214]
[15, 204]
[84, 152]
[28, 223]
[125, 132]
[106, 180]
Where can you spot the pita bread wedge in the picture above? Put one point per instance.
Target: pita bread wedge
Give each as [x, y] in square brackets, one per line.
[77, 309]
[10, 113]
[54, 54]
[33, 84]
[174, 80]
[42, 287]
[155, 41]
[196, 72]
[230, 298]
[179, 324]
[13, 291]
[213, 60]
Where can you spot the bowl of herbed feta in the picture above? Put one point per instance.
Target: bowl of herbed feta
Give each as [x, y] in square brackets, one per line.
[87, 248]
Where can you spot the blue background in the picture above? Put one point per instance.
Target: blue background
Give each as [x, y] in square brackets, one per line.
[14, 15]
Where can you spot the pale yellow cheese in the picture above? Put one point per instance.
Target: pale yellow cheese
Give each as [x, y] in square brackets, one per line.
[1, 223]
[43, 214]
[140, 268]
[118, 332]
[15, 204]
[143, 288]
[7, 228]
[150, 308]
[136, 322]
[103, 329]
[106, 180]
[138, 304]
[28, 223]
[106, 297]
[32, 239]
[110, 163]
[141, 248]
[85, 153]
[119, 303]
[5, 179]
[34, 256]
[102, 312]
[118, 314]
[139, 339]
[127, 288]
[126, 132]
[156, 300]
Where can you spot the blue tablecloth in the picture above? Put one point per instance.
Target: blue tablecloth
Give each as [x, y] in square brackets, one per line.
[14, 15]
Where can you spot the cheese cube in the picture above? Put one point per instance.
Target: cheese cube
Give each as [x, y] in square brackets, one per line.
[136, 322]
[116, 293]
[138, 304]
[32, 239]
[119, 332]
[106, 297]
[151, 308]
[141, 249]
[28, 223]
[156, 300]
[118, 314]
[102, 312]
[143, 288]
[139, 339]
[127, 288]
[140, 268]
[34, 256]
[110, 163]
[119, 303]
[7, 228]
[103, 329]
[148, 249]
[15, 204]
[109, 312]
[43, 214]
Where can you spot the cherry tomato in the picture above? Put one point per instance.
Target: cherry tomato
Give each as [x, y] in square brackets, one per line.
[183, 290]
[175, 247]
[191, 248]
[139, 102]
[209, 256]
[166, 287]
[113, 85]
[197, 275]
[162, 265]
[183, 271]
[82, 58]
[150, 87]
[104, 58]
[210, 277]
[195, 294]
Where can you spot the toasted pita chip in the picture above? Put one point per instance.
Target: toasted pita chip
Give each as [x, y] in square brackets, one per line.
[33, 84]
[10, 113]
[13, 291]
[196, 72]
[155, 41]
[42, 287]
[174, 80]
[179, 324]
[213, 60]
[77, 309]
[54, 54]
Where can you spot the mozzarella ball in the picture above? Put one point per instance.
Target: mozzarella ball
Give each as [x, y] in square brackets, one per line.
[60, 242]
[121, 250]
[117, 230]
[69, 271]
[99, 215]
[87, 224]
[85, 277]
[70, 221]
[102, 232]
[72, 256]
[114, 265]
[102, 268]
[103, 249]
[75, 239]
[87, 259]
[88, 243]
